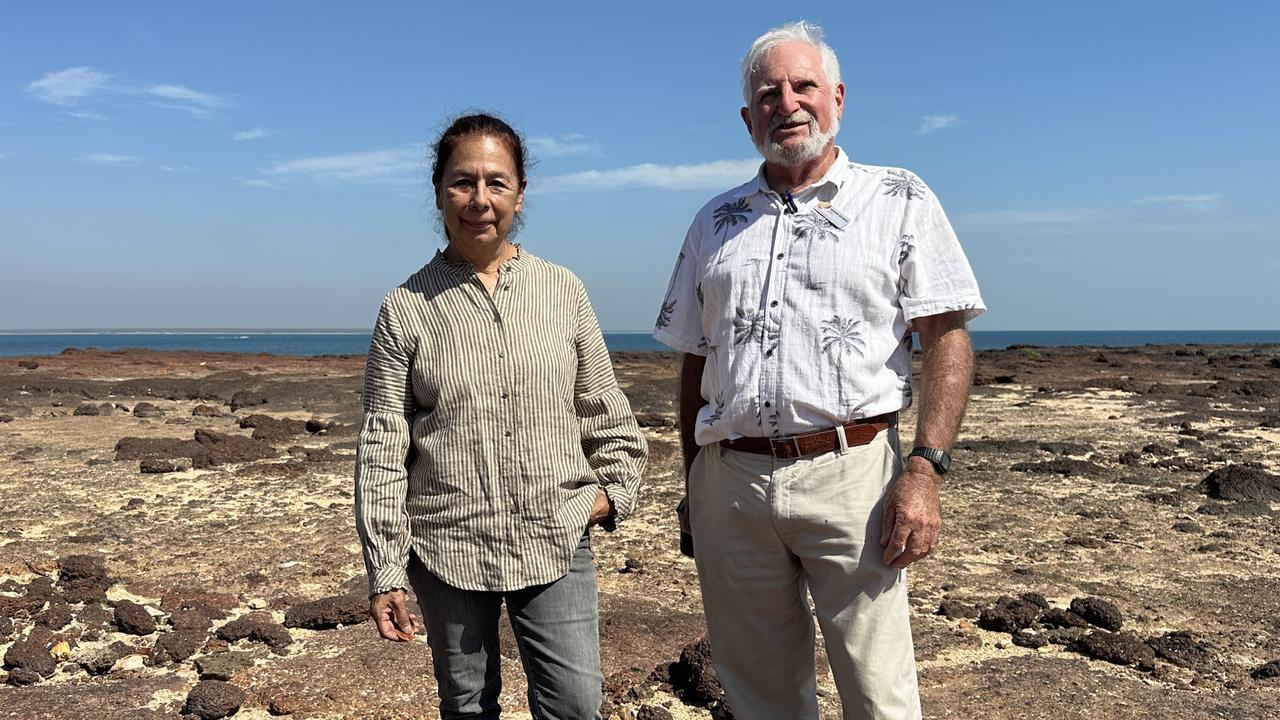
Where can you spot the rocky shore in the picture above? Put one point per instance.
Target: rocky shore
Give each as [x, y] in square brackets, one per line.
[176, 538]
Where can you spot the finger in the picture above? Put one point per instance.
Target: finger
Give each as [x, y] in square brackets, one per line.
[917, 548]
[897, 544]
[887, 521]
[386, 628]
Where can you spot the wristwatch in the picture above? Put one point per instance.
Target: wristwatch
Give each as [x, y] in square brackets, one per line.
[940, 460]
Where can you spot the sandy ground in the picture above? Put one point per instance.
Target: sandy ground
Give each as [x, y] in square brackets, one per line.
[1081, 473]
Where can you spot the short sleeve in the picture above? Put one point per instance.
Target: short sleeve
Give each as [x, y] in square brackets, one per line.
[679, 323]
[935, 274]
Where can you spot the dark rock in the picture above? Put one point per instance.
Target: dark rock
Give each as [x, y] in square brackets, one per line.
[1266, 672]
[1036, 599]
[693, 677]
[1130, 458]
[257, 628]
[1063, 635]
[19, 677]
[316, 426]
[56, 616]
[177, 646]
[1182, 649]
[30, 655]
[273, 430]
[328, 613]
[244, 399]
[28, 364]
[222, 666]
[1060, 466]
[208, 449]
[654, 420]
[215, 605]
[653, 712]
[27, 453]
[194, 619]
[99, 662]
[134, 503]
[85, 573]
[1008, 615]
[1117, 648]
[6, 418]
[147, 410]
[1030, 639]
[213, 699]
[156, 466]
[954, 610]
[1098, 612]
[1187, 526]
[632, 565]
[1085, 542]
[90, 409]
[207, 411]
[1248, 508]
[134, 619]
[1241, 482]
[6, 628]
[1066, 448]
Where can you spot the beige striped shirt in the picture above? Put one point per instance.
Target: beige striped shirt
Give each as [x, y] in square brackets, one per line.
[489, 423]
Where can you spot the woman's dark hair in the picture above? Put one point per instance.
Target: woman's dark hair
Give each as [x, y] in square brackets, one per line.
[476, 124]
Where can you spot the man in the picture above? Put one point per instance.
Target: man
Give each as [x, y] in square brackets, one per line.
[794, 299]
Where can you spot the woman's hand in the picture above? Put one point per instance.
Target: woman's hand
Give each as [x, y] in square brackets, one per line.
[391, 613]
[601, 510]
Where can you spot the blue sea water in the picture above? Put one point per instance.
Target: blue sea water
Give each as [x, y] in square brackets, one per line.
[356, 342]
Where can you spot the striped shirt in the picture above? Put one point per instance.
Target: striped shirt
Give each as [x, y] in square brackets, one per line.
[489, 423]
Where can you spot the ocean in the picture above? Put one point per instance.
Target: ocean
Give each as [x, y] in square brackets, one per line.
[356, 342]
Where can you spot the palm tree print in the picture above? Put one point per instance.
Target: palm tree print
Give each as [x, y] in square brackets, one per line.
[905, 247]
[840, 337]
[729, 215]
[714, 417]
[668, 302]
[813, 228]
[748, 326]
[901, 183]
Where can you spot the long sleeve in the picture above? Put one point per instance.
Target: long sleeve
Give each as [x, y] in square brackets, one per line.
[381, 477]
[611, 439]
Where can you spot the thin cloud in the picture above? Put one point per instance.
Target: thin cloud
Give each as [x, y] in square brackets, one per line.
[934, 123]
[1202, 201]
[390, 166]
[1012, 218]
[259, 183]
[81, 115]
[113, 159]
[66, 87]
[714, 175]
[563, 145]
[254, 134]
[70, 86]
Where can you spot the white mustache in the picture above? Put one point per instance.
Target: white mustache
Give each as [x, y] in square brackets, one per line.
[803, 116]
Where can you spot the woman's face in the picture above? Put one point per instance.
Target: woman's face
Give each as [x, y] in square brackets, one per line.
[479, 194]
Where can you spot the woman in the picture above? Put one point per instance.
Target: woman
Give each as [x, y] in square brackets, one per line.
[494, 436]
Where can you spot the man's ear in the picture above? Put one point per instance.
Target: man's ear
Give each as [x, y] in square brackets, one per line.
[746, 120]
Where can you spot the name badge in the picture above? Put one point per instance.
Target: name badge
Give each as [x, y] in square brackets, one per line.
[837, 219]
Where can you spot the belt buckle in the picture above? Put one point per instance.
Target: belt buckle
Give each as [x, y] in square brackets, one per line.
[775, 443]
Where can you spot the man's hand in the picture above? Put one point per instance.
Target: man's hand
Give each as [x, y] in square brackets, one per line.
[912, 515]
[601, 510]
[391, 613]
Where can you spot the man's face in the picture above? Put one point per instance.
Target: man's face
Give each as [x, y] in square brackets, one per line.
[794, 112]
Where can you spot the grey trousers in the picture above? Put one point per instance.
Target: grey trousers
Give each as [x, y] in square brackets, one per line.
[765, 530]
[556, 628]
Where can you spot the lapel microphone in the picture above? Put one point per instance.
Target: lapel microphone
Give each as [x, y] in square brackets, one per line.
[791, 204]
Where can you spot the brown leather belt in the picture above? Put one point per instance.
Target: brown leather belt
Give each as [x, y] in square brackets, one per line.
[856, 432]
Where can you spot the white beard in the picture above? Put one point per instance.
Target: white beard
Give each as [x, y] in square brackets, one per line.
[808, 150]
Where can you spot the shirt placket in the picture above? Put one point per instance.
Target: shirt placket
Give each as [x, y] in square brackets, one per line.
[506, 435]
[771, 349]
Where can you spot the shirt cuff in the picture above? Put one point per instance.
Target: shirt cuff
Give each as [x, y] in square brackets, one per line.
[624, 503]
[675, 342]
[386, 579]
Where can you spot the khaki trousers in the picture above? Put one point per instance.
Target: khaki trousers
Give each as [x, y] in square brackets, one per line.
[765, 530]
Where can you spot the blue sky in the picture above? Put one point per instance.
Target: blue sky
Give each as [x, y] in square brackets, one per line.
[1106, 165]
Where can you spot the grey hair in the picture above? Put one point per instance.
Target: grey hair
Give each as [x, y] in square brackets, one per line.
[798, 31]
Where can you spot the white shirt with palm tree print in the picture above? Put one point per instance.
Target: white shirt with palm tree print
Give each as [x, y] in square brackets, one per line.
[805, 317]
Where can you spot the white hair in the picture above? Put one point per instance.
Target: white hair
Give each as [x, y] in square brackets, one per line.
[798, 31]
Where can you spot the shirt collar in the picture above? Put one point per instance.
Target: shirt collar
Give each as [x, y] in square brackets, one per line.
[467, 270]
[835, 175]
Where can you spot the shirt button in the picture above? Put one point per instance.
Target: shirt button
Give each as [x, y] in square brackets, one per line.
[768, 404]
[773, 304]
[768, 353]
[502, 355]
[506, 433]
[779, 256]
[504, 396]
